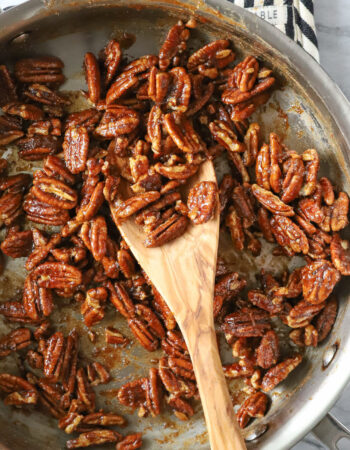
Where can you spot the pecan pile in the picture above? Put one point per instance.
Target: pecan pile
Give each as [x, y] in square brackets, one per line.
[151, 123]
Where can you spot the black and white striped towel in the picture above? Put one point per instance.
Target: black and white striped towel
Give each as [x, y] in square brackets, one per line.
[295, 18]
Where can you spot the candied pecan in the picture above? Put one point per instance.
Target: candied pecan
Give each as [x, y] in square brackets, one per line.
[215, 54]
[11, 383]
[170, 229]
[94, 236]
[242, 111]
[124, 209]
[163, 309]
[87, 118]
[84, 390]
[34, 148]
[278, 373]
[54, 192]
[234, 224]
[153, 392]
[182, 132]
[248, 322]
[183, 410]
[307, 336]
[181, 367]
[113, 56]
[56, 275]
[244, 368]
[113, 336]
[294, 285]
[251, 141]
[10, 208]
[14, 341]
[126, 263]
[7, 87]
[271, 201]
[41, 212]
[174, 385]
[268, 352]
[130, 442]
[97, 374]
[340, 254]
[245, 73]
[244, 205]
[17, 243]
[34, 359]
[293, 178]
[143, 335]
[45, 127]
[151, 319]
[133, 394]
[42, 94]
[92, 309]
[229, 285]
[254, 406]
[53, 355]
[46, 69]
[271, 303]
[288, 234]
[262, 167]
[224, 135]
[202, 93]
[24, 110]
[264, 224]
[234, 96]
[173, 45]
[121, 85]
[340, 211]
[22, 398]
[117, 120]
[327, 191]
[15, 312]
[178, 172]
[93, 77]
[225, 192]
[121, 299]
[325, 320]
[201, 202]
[75, 147]
[319, 279]
[275, 156]
[104, 419]
[179, 97]
[302, 313]
[41, 250]
[312, 165]
[37, 300]
[94, 437]
[154, 128]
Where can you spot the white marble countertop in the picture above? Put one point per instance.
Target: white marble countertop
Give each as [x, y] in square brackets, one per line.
[333, 33]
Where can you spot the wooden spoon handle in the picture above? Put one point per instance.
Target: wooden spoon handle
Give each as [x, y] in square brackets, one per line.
[224, 433]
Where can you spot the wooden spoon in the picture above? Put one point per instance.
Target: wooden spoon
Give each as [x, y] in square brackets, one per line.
[183, 271]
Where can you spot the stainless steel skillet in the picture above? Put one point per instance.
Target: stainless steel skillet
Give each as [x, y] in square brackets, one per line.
[308, 110]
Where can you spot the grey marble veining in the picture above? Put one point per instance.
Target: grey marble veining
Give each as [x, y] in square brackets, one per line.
[333, 32]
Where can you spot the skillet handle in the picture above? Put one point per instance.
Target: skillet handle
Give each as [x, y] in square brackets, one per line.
[329, 431]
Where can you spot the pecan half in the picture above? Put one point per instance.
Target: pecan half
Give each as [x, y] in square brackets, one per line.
[278, 373]
[34, 148]
[7, 87]
[75, 147]
[55, 275]
[117, 120]
[41, 212]
[325, 320]
[14, 341]
[113, 56]
[248, 322]
[271, 201]
[268, 352]
[319, 279]
[130, 442]
[94, 437]
[17, 243]
[47, 69]
[54, 192]
[171, 229]
[340, 209]
[288, 234]
[93, 77]
[174, 45]
[201, 202]
[254, 406]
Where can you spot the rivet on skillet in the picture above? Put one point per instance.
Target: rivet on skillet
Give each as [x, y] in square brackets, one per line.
[256, 433]
[329, 355]
[20, 38]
